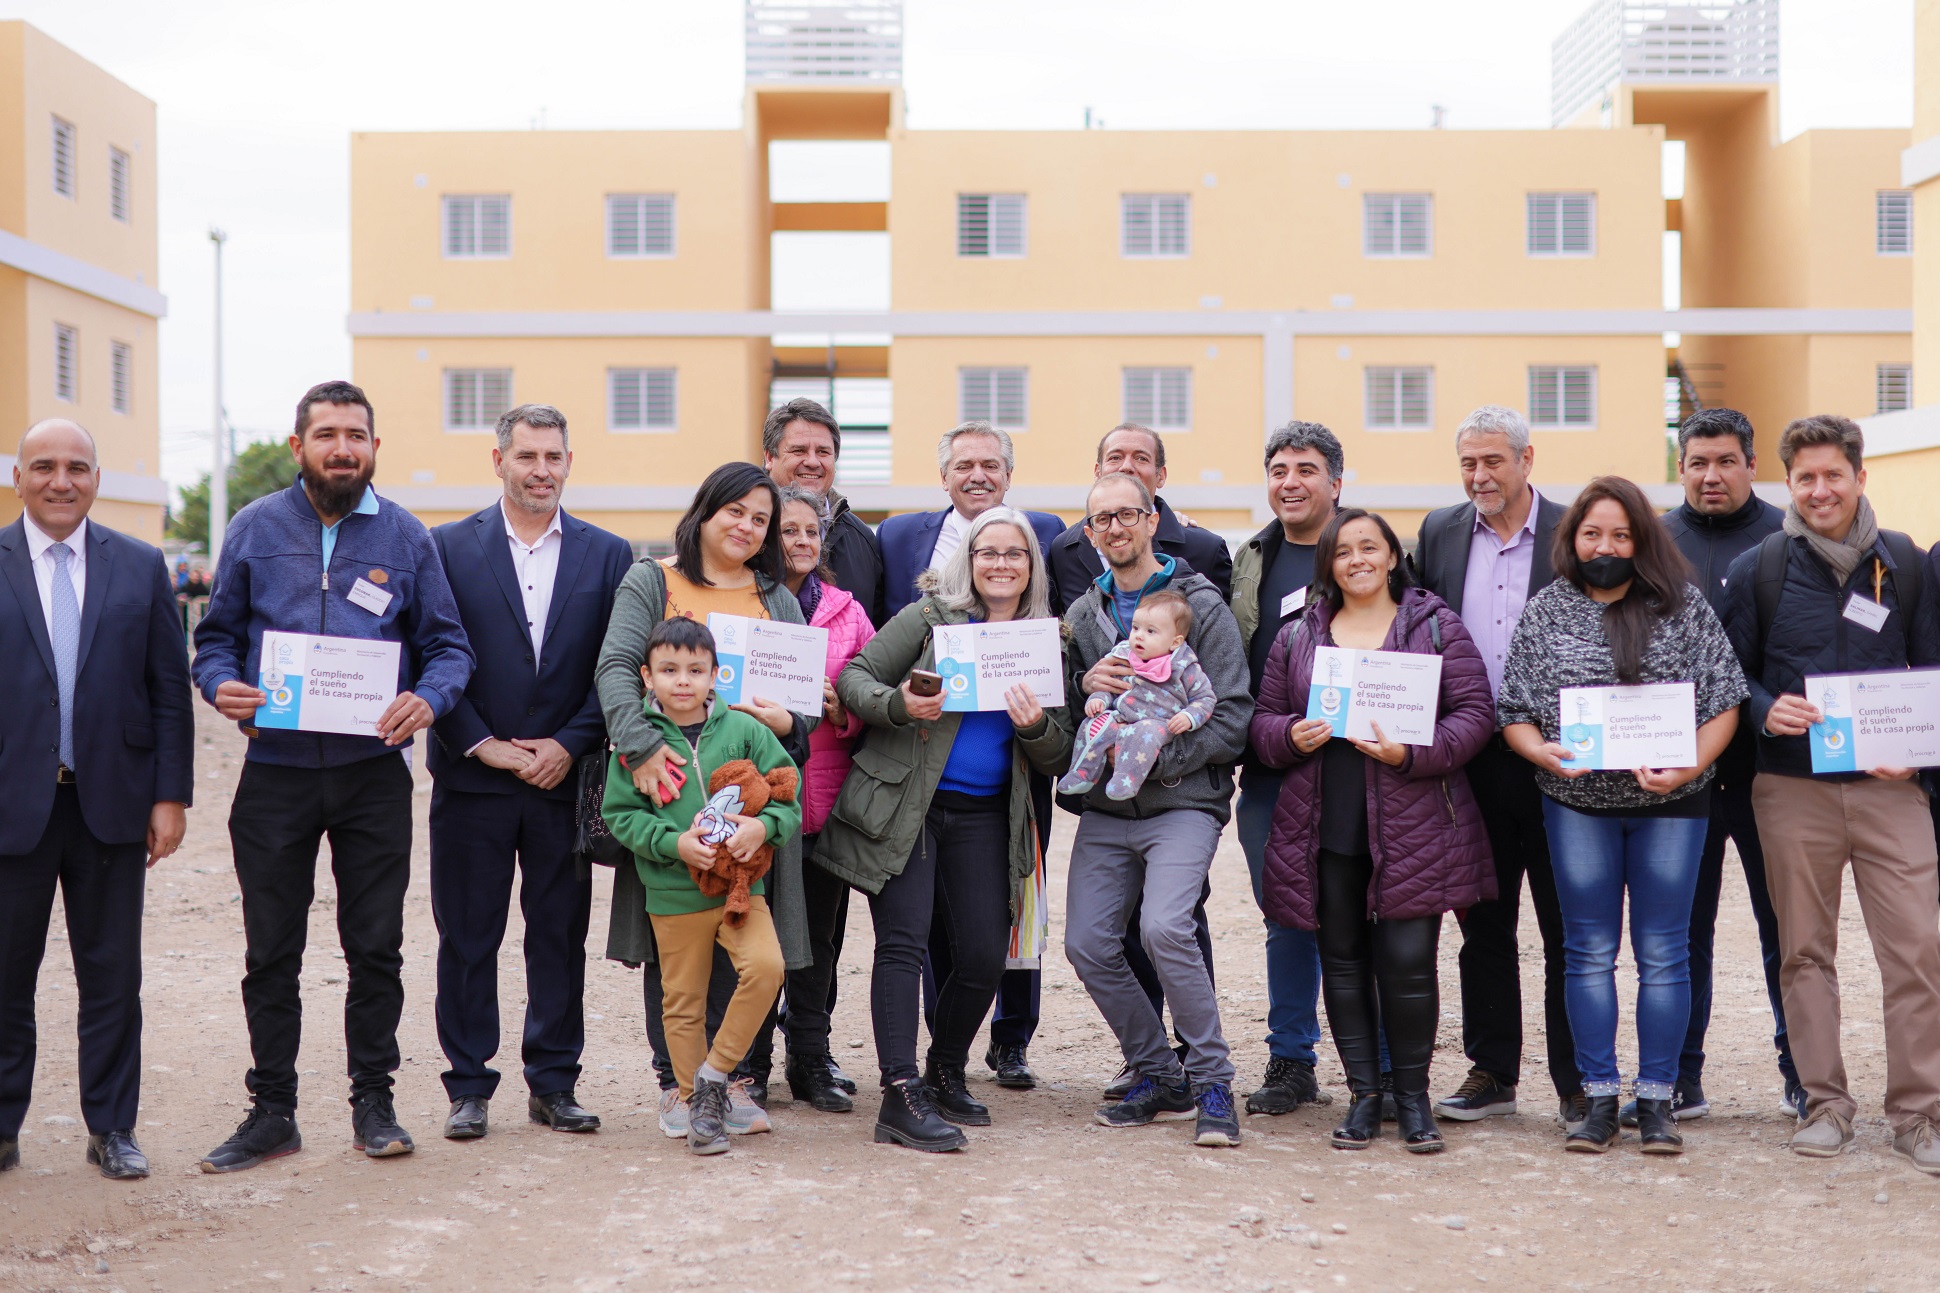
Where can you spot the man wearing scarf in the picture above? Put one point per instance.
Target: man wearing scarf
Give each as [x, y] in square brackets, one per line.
[1833, 593]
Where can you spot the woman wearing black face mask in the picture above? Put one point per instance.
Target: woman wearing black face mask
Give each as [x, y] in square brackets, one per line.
[1621, 613]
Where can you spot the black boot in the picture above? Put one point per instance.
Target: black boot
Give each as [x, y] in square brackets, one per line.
[1362, 1126]
[1657, 1129]
[950, 1092]
[1599, 1130]
[908, 1118]
[1417, 1119]
[810, 1082]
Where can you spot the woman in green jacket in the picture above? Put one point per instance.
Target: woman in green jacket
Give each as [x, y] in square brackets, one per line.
[934, 822]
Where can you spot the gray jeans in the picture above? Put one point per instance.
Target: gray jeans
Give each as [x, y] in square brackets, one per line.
[1164, 859]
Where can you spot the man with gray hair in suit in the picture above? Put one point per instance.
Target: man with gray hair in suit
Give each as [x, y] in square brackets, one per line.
[1486, 558]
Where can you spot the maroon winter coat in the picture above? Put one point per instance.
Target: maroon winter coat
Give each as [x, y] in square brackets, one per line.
[1431, 851]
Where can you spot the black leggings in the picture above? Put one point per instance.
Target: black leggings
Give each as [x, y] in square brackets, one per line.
[957, 878]
[1376, 975]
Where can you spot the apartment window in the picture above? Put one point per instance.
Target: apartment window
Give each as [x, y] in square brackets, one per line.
[1397, 224]
[475, 397]
[121, 376]
[1160, 398]
[118, 181]
[990, 224]
[640, 399]
[639, 224]
[1400, 399]
[1154, 224]
[1562, 398]
[1562, 224]
[998, 396]
[1893, 222]
[478, 227]
[1893, 387]
[64, 157]
[67, 362]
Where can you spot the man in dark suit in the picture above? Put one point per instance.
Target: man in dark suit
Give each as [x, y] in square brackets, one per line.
[1137, 451]
[975, 460]
[800, 443]
[534, 588]
[1486, 558]
[97, 755]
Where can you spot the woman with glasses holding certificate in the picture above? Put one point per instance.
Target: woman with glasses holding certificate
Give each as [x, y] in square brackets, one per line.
[1616, 669]
[1373, 839]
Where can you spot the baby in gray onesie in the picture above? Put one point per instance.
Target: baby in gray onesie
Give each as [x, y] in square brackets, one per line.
[1170, 694]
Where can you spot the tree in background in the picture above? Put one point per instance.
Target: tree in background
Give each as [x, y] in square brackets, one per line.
[260, 469]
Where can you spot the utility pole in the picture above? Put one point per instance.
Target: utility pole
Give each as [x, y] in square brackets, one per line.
[219, 437]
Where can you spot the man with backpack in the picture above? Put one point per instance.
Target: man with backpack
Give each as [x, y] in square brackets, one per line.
[1833, 593]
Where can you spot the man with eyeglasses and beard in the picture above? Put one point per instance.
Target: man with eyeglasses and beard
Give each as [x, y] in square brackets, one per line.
[327, 557]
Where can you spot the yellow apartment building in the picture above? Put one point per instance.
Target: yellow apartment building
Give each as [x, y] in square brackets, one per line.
[1210, 283]
[78, 302]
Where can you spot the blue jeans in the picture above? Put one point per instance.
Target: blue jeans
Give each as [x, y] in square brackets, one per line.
[1292, 955]
[1596, 859]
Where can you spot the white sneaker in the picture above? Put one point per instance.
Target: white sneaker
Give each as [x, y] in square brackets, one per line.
[744, 1116]
[673, 1114]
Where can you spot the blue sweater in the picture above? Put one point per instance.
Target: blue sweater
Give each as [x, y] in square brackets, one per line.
[271, 576]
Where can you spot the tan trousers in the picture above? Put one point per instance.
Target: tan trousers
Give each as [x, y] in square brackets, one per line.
[1810, 829]
[686, 946]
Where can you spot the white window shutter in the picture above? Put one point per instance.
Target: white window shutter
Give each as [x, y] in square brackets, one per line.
[461, 227]
[67, 363]
[1135, 237]
[1174, 224]
[1542, 224]
[1893, 388]
[1893, 222]
[64, 141]
[494, 226]
[120, 182]
[1576, 224]
[1562, 397]
[1412, 229]
[121, 376]
[973, 224]
[1007, 224]
[1416, 397]
[1009, 395]
[622, 225]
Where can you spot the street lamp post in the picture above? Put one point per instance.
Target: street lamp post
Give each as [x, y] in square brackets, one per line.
[219, 438]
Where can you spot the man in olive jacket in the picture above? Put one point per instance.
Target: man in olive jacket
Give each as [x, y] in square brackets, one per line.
[1157, 847]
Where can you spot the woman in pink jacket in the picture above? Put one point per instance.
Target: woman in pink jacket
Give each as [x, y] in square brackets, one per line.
[812, 1075]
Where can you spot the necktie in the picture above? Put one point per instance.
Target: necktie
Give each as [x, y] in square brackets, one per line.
[67, 644]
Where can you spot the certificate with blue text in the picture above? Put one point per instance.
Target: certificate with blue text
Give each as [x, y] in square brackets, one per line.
[1620, 728]
[980, 662]
[1875, 720]
[325, 684]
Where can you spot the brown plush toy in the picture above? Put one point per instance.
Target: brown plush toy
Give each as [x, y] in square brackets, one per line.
[732, 877]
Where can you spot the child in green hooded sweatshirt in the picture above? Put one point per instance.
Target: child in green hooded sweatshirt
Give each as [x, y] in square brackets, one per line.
[679, 675]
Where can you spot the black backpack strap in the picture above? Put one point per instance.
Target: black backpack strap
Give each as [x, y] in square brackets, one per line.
[1907, 573]
[1770, 581]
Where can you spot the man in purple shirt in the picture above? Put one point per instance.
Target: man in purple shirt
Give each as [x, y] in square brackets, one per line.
[1485, 558]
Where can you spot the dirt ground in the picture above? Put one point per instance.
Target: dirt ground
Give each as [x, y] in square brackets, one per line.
[1045, 1199]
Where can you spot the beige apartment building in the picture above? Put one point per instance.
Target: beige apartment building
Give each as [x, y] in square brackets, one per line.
[78, 302]
[1210, 283]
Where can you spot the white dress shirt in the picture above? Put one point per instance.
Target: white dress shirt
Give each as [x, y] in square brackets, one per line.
[38, 542]
[949, 538]
[537, 567]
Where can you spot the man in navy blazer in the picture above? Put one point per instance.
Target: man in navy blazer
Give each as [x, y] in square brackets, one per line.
[534, 588]
[975, 460]
[97, 748]
[1137, 451]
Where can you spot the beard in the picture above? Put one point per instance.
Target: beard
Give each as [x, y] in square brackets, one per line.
[336, 497]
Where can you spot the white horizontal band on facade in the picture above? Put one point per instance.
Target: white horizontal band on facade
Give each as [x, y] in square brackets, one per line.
[118, 486]
[1907, 431]
[540, 324]
[1920, 163]
[71, 272]
[1068, 500]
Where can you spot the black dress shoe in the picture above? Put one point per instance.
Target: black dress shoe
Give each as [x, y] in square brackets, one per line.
[1657, 1128]
[950, 1093]
[561, 1112]
[809, 1083]
[840, 1078]
[9, 1155]
[1599, 1131]
[118, 1156]
[908, 1117]
[467, 1120]
[1013, 1070]
[1416, 1118]
[1362, 1126]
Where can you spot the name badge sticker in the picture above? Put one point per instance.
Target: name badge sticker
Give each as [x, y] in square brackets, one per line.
[1292, 602]
[369, 596]
[1866, 613]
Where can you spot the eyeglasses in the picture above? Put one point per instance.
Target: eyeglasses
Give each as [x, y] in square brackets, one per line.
[1125, 516]
[1006, 557]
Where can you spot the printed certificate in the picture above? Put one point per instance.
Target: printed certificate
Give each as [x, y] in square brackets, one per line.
[980, 662]
[771, 659]
[1875, 720]
[325, 684]
[1353, 690]
[1620, 728]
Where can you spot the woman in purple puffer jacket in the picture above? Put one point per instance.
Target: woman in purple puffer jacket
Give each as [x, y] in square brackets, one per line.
[1373, 840]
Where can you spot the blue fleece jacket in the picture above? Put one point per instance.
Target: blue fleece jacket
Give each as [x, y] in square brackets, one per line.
[272, 576]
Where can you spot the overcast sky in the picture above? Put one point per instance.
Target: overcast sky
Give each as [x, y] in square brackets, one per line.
[257, 99]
